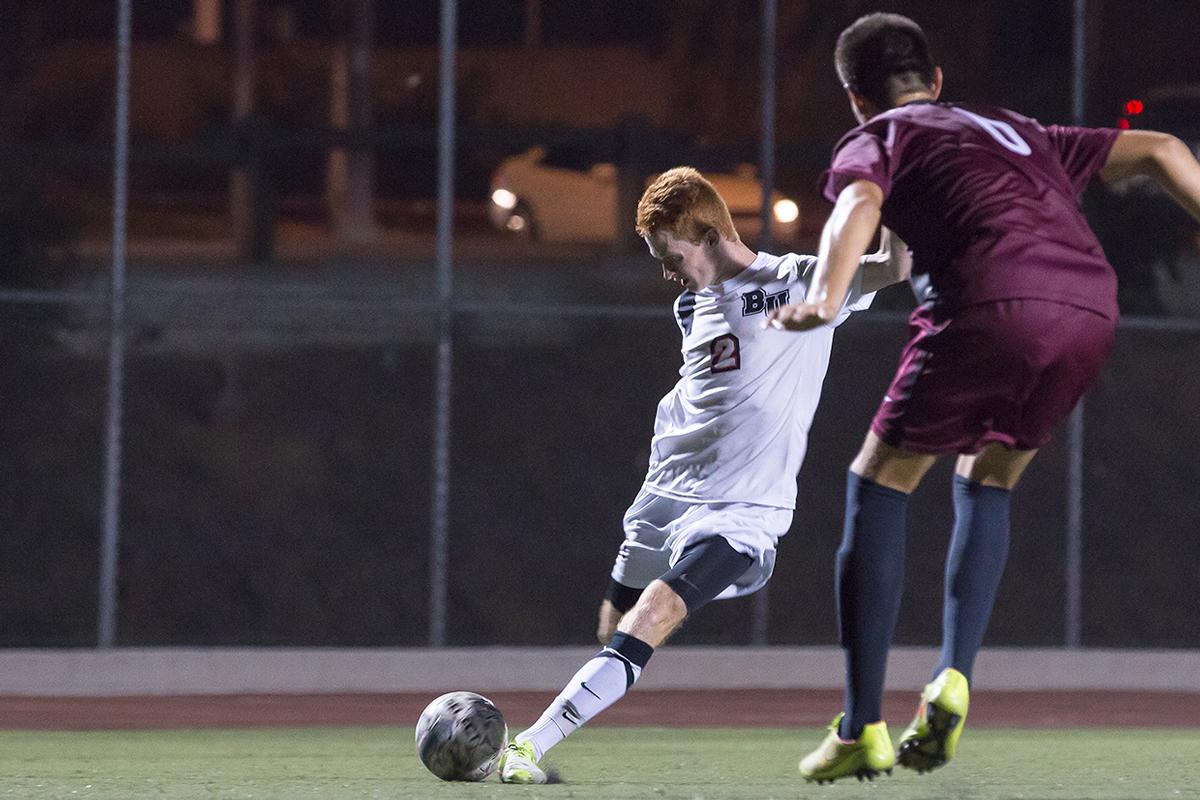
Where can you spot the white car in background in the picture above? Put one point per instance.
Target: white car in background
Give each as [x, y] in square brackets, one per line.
[556, 195]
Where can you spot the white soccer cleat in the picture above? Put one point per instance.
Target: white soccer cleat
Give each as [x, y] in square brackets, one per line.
[518, 764]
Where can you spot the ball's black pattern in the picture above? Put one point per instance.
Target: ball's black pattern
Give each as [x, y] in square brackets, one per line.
[460, 736]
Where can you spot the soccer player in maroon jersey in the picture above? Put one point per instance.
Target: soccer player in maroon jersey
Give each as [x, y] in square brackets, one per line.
[1017, 316]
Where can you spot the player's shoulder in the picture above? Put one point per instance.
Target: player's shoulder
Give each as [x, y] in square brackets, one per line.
[894, 123]
[998, 113]
[685, 303]
[684, 308]
[784, 268]
[939, 113]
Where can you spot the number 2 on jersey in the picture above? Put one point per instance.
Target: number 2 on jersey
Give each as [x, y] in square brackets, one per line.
[726, 353]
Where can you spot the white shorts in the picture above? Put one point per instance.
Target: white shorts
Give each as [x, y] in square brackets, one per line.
[658, 529]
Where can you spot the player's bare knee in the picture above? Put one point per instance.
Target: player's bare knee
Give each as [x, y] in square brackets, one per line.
[659, 608]
[665, 605]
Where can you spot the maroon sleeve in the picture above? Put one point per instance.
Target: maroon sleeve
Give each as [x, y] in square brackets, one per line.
[1082, 151]
[860, 155]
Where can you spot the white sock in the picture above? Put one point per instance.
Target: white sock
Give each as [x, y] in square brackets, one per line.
[598, 684]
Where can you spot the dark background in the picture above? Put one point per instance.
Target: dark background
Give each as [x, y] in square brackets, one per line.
[277, 446]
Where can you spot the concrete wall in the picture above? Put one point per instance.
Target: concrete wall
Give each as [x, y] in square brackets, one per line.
[170, 671]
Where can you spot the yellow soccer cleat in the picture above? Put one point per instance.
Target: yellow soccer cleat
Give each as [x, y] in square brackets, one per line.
[865, 757]
[518, 764]
[932, 738]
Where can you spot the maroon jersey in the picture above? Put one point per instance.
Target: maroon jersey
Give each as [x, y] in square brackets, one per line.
[988, 201]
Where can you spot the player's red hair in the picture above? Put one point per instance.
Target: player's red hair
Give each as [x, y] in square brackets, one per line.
[682, 201]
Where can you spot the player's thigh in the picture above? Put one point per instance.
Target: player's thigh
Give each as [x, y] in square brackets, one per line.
[748, 528]
[893, 467]
[705, 569]
[995, 465]
[645, 552]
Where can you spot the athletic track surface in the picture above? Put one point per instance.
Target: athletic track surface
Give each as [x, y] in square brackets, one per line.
[734, 707]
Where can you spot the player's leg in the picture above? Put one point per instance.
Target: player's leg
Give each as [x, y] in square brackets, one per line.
[1053, 353]
[870, 571]
[983, 486]
[925, 412]
[869, 584]
[1057, 351]
[643, 556]
[704, 569]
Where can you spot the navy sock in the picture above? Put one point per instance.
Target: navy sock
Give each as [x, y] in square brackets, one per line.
[870, 581]
[974, 565]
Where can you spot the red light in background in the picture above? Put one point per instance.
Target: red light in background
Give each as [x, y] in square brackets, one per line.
[1133, 107]
[1123, 124]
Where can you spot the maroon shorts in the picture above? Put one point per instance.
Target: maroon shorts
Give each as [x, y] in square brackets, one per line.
[1008, 371]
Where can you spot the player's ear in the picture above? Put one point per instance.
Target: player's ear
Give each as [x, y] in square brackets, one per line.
[711, 237]
[936, 86]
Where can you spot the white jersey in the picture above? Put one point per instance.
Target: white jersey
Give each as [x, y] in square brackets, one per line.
[735, 427]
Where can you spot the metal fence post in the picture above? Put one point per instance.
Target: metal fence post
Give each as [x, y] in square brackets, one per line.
[439, 517]
[761, 613]
[106, 635]
[1073, 555]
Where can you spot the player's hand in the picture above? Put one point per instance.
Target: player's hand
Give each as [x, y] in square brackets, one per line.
[800, 317]
[606, 625]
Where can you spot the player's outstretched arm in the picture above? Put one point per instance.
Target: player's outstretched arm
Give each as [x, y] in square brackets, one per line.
[845, 238]
[891, 263]
[1160, 156]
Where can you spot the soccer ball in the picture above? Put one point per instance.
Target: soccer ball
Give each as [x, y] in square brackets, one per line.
[460, 736]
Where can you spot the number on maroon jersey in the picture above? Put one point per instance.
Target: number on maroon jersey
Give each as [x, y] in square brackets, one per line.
[726, 353]
[1006, 135]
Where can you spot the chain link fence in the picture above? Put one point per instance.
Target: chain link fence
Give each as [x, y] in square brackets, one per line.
[430, 434]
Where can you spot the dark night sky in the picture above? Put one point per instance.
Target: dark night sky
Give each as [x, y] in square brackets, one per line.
[1137, 30]
[399, 21]
[1027, 60]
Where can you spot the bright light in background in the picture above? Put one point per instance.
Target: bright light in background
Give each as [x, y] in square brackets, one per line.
[1133, 107]
[516, 223]
[786, 210]
[505, 199]
[1123, 124]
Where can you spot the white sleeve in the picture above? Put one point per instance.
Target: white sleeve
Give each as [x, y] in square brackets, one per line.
[855, 299]
[801, 271]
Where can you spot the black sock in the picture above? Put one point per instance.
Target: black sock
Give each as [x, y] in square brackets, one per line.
[870, 581]
[632, 648]
[974, 564]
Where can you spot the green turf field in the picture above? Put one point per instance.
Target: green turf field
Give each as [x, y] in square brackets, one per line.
[654, 763]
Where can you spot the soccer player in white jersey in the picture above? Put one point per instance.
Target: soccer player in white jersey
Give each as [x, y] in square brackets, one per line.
[728, 443]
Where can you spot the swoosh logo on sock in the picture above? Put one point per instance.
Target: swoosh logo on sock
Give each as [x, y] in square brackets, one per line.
[589, 691]
[571, 714]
